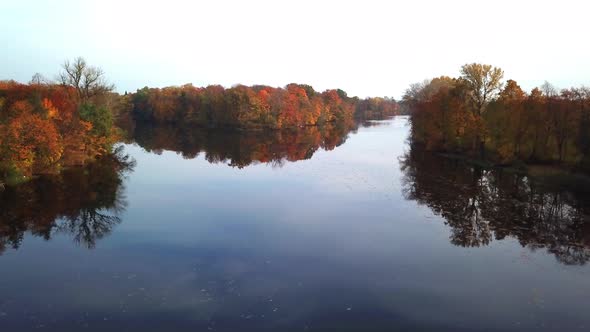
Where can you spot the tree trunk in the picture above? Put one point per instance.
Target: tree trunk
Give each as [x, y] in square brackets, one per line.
[482, 149]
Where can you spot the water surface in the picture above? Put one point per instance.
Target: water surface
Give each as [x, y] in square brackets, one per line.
[322, 228]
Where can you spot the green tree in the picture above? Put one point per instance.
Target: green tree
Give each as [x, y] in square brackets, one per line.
[100, 117]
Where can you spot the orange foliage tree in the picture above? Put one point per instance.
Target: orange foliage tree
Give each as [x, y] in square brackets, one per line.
[258, 106]
[45, 126]
[542, 126]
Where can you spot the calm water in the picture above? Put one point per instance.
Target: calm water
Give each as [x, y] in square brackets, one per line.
[292, 231]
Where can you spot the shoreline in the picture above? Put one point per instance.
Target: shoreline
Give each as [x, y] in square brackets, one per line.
[557, 174]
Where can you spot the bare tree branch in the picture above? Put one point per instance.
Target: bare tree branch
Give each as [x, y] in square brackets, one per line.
[88, 81]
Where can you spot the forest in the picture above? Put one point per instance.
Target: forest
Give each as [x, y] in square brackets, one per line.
[480, 115]
[255, 107]
[49, 125]
[46, 126]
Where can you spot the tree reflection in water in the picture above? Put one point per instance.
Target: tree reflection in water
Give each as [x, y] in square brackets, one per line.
[243, 148]
[84, 202]
[480, 205]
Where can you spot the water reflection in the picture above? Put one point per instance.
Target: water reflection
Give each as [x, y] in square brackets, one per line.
[86, 203]
[83, 202]
[243, 148]
[326, 244]
[482, 205]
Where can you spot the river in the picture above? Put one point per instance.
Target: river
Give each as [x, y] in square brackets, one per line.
[309, 230]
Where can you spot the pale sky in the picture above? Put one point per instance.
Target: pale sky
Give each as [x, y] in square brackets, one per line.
[367, 48]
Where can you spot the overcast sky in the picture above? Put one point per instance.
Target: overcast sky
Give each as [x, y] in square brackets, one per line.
[367, 48]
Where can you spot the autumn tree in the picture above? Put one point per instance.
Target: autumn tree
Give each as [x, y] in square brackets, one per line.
[477, 113]
[537, 121]
[563, 121]
[241, 106]
[45, 126]
[582, 97]
[506, 121]
[483, 82]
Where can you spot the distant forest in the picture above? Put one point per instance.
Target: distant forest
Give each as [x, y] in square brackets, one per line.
[480, 115]
[47, 125]
[259, 106]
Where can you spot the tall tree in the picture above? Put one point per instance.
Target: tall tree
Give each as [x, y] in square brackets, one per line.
[89, 81]
[484, 82]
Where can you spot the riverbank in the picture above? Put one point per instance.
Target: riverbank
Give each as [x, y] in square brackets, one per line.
[550, 174]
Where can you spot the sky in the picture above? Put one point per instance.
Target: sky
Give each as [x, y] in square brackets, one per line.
[367, 48]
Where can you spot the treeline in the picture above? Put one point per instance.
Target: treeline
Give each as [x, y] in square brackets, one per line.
[480, 115]
[484, 205]
[45, 126]
[258, 106]
[376, 108]
[48, 125]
